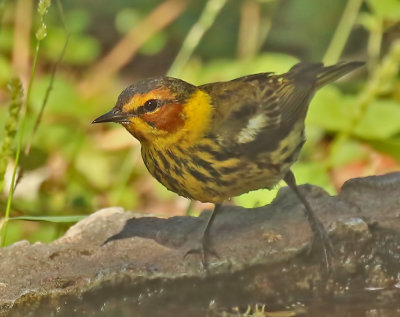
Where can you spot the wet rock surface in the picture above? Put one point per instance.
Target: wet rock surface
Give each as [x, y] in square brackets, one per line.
[262, 259]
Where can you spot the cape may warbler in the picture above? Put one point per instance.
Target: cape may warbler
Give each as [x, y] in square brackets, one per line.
[223, 139]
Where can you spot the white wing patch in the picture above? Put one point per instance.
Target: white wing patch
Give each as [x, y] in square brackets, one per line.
[255, 124]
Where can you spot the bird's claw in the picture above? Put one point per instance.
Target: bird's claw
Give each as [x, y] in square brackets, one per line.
[321, 241]
[204, 248]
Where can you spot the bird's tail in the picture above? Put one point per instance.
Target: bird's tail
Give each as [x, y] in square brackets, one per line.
[321, 75]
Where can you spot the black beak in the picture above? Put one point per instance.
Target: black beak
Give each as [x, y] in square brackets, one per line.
[112, 116]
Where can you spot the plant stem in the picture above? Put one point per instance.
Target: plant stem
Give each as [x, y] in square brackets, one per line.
[374, 43]
[62, 16]
[2, 9]
[11, 126]
[15, 88]
[19, 146]
[342, 32]
[28, 92]
[43, 6]
[51, 82]
[9, 199]
[192, 40]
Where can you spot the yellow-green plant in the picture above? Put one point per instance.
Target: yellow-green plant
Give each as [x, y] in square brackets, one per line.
[41, 33]
[15, 88]
[10, 129]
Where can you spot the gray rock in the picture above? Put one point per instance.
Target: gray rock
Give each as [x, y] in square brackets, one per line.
[142, 271]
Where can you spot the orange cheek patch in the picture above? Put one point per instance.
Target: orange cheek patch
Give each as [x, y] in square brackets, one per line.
[168, 117]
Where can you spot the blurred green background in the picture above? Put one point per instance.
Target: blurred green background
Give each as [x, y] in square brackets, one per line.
[75, 168]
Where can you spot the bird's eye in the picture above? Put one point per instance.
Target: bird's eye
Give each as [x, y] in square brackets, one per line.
[151, 105]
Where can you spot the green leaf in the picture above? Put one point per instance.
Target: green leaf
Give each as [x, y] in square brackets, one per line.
[390, 146]
[380, 121]
[50, 136]
[311, 173]
[257, 198]
[81, 49]
[225, 69]
[162, 191]
[314, 135]
[15, 232]
[368, 20]
[314, 173]
[389, 9]
[95, 166]
[56, 219]
[46, 232]
[63, 99]
[331, 110]
[78, 20]
[123, 196]
[346, 152]
[5, 70]
[155, 44]
[127, 19]
[6, 39]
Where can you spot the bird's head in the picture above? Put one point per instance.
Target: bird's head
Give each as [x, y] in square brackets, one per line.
[161, 111]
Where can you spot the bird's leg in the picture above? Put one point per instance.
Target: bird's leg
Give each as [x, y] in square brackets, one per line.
[204, 246]
[319, 233]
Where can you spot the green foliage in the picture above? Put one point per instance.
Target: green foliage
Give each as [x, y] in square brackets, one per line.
[127, 18]
[226, 69]
[346, 151]
[59, 219]
[331, 110]
[389, 9]
[94, 166]
[43, 7]
[257, 198]
[383, 116]
[81, 49]
[5, 70]
[11, 125]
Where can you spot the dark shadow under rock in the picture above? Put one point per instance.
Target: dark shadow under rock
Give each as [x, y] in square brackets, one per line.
[141, 271]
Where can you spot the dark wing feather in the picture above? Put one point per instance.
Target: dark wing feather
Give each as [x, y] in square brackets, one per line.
[279, 100]
[239, 100]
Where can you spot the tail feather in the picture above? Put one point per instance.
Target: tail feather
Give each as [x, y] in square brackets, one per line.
[319, 74]
[306, 79]
[331, 73]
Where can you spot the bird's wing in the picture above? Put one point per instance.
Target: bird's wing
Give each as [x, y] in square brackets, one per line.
[253, 113]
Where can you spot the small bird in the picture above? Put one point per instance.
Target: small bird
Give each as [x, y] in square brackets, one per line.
[220, 140]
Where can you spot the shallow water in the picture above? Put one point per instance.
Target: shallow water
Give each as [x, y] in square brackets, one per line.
[181, 300]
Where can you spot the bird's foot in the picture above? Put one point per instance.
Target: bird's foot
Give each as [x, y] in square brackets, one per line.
[203, 247]
[320, 241]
